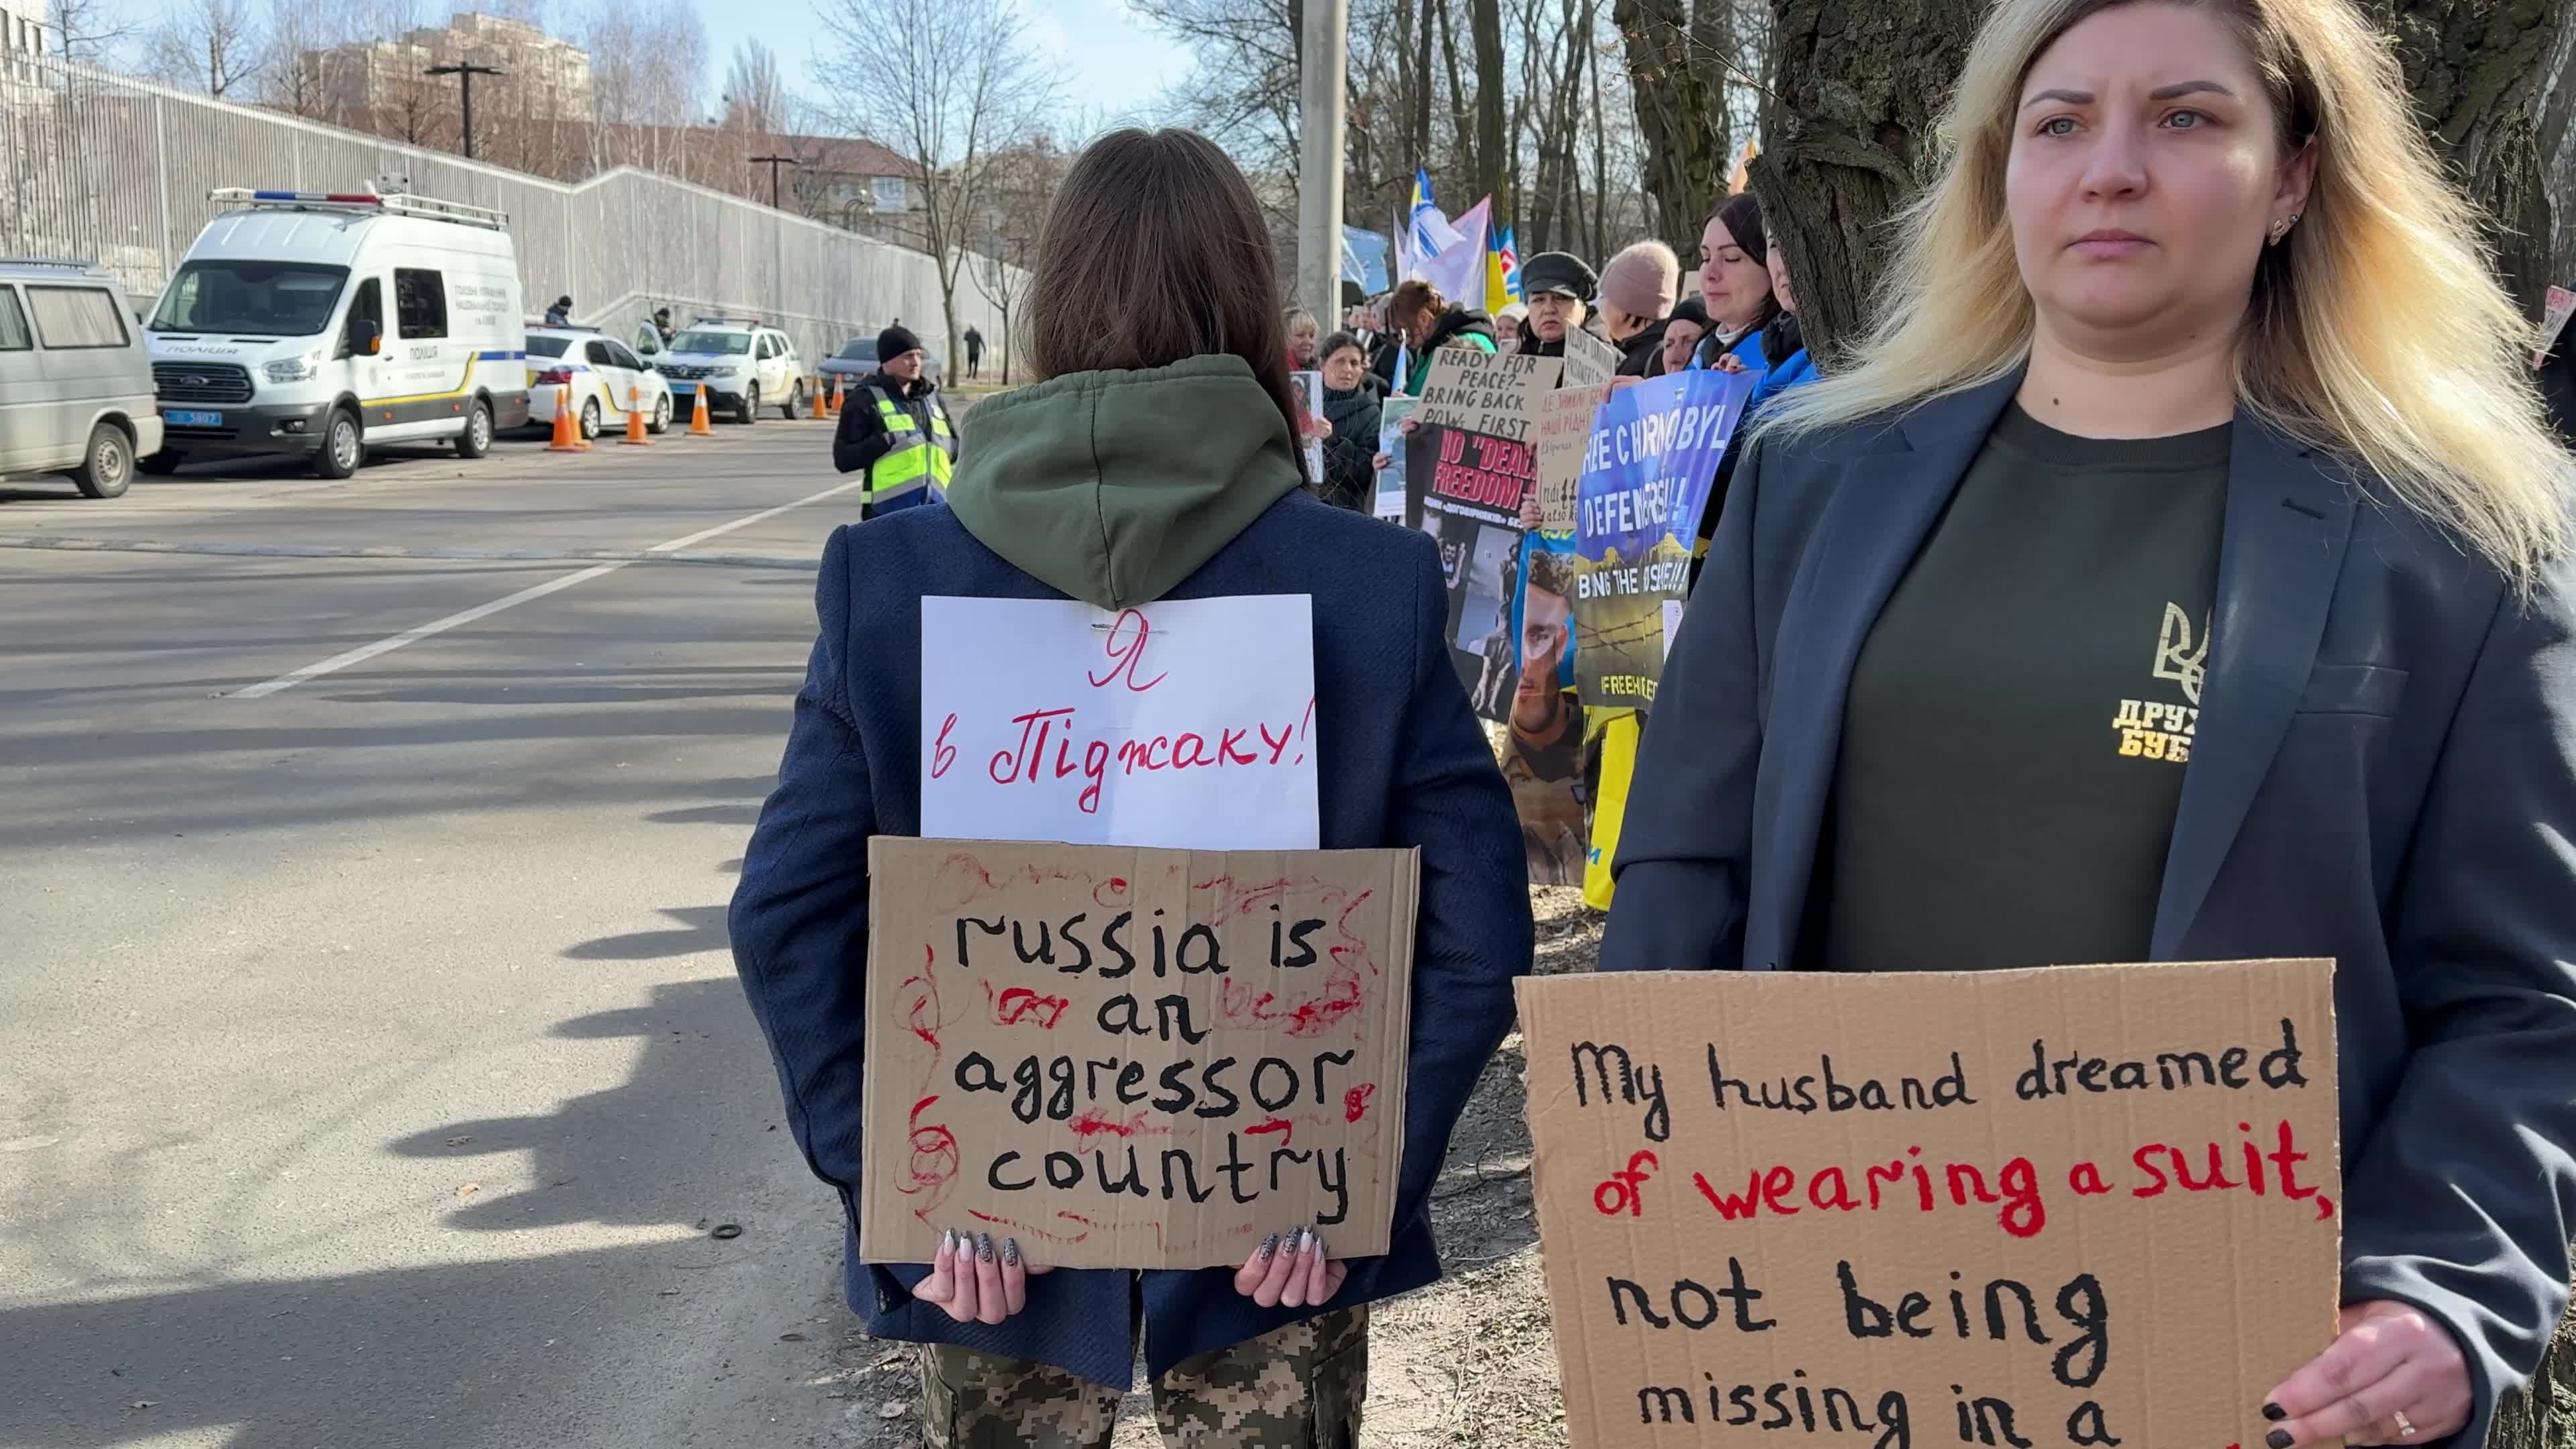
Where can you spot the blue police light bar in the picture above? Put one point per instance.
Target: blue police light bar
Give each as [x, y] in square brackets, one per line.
[339, 196]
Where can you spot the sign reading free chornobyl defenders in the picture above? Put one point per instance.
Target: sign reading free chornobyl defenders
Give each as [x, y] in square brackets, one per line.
[1132, 1058]
[2068, 1207]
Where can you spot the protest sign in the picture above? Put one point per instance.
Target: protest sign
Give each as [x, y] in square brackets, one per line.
[1647, 474]
[1589, 361]
[1310, 386]
[2087, 1205]
[1134, 1058]
[1465, 488]
[1486, 392]
[2556, 308]
[1187, 723]
[1544, 726]
[1564, 438]
[1391, 441]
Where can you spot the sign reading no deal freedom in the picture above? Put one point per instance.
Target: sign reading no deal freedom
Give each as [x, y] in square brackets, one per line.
[1186, 724]
[2089, 1205]
[1134, 1058]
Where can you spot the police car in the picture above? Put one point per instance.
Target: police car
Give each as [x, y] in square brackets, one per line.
[743, 365]
[596, 375]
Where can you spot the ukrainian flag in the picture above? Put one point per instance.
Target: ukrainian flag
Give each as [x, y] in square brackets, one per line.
[1502, 270]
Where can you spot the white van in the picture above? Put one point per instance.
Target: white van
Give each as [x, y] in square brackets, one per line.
[328, 323]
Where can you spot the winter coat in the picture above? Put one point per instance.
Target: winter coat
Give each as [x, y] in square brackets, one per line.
[1120, 488]
[1459, 327]
[1350, 479]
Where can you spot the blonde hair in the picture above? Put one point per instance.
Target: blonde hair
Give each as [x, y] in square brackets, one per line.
[2376, 332]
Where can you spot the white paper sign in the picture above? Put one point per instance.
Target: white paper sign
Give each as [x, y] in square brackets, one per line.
[1672, 624]
[1186, 724]
[1312, 385]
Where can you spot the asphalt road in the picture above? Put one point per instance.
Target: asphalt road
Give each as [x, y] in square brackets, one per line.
[372, 1068]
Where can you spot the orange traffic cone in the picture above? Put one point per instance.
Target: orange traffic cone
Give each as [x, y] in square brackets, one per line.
[568, 438]
[832, 396]
[699, 426]
[635, 419]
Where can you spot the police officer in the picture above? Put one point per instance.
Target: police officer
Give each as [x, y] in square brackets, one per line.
[895, 428]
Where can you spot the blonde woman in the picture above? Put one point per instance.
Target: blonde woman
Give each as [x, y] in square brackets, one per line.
[2179, 573]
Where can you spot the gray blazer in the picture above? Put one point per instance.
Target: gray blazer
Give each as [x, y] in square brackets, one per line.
[2385, 774]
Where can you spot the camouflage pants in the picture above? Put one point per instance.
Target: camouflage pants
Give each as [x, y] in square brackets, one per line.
[1298, 1388]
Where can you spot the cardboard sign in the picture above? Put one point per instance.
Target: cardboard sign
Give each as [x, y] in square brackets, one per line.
[1589, 361]
[1187, 723]
[1564, 438]
[2077, 1206]
[1647, 476]
[1134, 1058]
[1486, 392]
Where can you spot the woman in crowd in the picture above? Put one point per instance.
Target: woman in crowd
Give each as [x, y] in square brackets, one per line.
[1302, 334]
[1155, 462]
[1735, 285]
[1784, 347]
[1510, 326]
[1429, 322]
[1351, 402]
[1636, 292]
[1682, 333]
[1558, 288]
[2190, 338]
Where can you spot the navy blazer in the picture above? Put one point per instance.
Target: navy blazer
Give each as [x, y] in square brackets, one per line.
[1403, 762]
[2385, 774]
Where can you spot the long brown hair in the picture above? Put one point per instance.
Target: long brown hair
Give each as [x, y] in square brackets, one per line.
[1155, 251]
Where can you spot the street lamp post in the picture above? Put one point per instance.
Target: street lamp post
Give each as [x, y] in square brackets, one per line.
[465, 74]
[774, 162]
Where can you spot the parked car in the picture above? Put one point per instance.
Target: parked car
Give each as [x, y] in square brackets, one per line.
[600, 371]
[858, 357]
[325, 323]
[743, 364]
[75, 381]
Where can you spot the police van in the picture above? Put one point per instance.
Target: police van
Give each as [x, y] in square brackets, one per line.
[327, 323]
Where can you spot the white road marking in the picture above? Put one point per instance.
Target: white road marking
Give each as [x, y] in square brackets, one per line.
[365, 652]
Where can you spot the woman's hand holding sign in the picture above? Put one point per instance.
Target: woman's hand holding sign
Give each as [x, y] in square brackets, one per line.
[975, 1281]
[1384, 461]
[1290, 1272]
[2393, 1376]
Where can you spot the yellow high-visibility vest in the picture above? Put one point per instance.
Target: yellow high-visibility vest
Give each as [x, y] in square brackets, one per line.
[914, 460]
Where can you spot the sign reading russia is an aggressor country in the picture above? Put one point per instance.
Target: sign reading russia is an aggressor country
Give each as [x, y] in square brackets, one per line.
[2082, 1206]
[1134, 1058]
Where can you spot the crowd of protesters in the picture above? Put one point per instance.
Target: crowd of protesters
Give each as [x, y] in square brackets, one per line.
[2175, 367]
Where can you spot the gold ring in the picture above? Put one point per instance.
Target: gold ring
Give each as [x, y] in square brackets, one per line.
[2405, 1426]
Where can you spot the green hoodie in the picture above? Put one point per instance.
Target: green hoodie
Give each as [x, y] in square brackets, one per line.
[1115, 486]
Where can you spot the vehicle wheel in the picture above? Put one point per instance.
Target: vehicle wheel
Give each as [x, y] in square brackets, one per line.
[661, 415]
[749, 412]
[108, 466]
[161, 464]
[341, 452]
[476, 440]
[794, 407]
[589, 418]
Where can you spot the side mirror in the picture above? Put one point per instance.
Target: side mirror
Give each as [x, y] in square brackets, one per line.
[371, 340]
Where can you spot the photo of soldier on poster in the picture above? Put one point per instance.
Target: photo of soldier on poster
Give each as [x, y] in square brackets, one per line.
[1543, 741]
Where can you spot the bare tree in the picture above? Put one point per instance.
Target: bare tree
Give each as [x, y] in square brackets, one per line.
[755, 90]
[299, 32]
[942, 83]
[214, 46]
[93, 32]
[1024, 179]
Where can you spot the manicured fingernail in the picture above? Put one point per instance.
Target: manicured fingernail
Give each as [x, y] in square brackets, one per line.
[984, 1247]
[1320, 1250]
[2279, 1439]
[1298, 1243]
[1269, 1247]
[947, 1240]
[2275, 1413]
[1011, 1251]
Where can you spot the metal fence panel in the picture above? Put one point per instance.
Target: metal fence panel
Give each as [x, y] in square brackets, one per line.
[111, 169]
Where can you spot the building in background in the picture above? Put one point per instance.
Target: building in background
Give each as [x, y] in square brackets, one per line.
[380, 86]
[24, 29]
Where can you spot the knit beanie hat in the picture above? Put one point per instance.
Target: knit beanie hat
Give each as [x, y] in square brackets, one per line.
[894, 342]
[1641, 280]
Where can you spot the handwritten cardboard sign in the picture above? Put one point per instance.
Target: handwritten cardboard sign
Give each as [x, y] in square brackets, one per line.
[1134, 1058]
[1187, 724]
[1564, 439]
[1589, 361]
[2077, 1206]
[1486, 392]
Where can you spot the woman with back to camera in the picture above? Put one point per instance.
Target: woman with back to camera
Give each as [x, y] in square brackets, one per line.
[1154, 462]
[2191, 397]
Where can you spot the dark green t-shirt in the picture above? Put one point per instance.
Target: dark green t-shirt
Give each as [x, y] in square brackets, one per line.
[2021, 715]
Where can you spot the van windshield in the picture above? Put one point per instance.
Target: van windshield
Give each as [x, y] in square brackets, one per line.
[270, 299]
[725, 344]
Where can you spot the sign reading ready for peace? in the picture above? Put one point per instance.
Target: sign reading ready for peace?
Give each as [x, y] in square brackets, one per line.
[2082, 1206]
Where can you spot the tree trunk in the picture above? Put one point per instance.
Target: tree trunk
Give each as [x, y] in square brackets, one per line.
[1681, 114]
[1600, 136]
[2478, 70]
[1493, 89]
[1461, 123]
[1422, 93]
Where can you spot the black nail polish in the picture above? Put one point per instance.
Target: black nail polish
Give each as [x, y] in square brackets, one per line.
[2275, 1413]
[1011, 1252]
[2279, 1439]
[1269, 1247]
[984, 1247]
